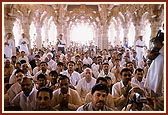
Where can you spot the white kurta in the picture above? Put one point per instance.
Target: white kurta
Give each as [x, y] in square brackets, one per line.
[139, 50]
[155, 74]
[26, 103]
[24, 47]
[74, 77]
[8, 49]
[84, 87]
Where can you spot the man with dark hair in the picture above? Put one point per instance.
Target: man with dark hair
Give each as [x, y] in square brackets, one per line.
[106, 72]
[72, 74]
[99, 94]
[13, 78]
[60, 66]
[41, 81]
[61, 43]
[44, 98]
[43, 69]
[53, 82]
[155, 76]
[65, 98]
[120, 90]
[33, 61]
[109, 99]
[16, 87]
[130, 66]
[138, 78]
[13, 60]
[26, 99]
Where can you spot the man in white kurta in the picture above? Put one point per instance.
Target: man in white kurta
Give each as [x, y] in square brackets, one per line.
[26, 99]
[85, 84]
[9, 45]
[23, 43]
[106, 72]
[154, 78]
[140, 44]
[61, 43]
[73, 75]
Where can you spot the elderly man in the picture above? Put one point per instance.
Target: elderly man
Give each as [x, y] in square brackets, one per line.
[85, 84]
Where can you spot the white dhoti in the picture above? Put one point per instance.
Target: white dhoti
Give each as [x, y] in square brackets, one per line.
[8, 51]
[24, 48]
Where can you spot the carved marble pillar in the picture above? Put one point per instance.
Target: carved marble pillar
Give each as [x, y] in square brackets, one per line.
[60, 19]
[8, 24]
[8, 28]
[96, 38]
[68, 36]
[46, 28]
[104, 37]
[155, 26]
[99, 39]
[65, 30]
[59, 29]
[38, 37]
[25, 22]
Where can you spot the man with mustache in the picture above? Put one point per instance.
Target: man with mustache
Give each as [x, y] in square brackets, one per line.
[120, 90]
[99, 94]
[65, 98]
[16, 87]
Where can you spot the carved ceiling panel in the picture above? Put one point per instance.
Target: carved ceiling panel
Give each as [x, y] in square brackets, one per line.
[98, 13]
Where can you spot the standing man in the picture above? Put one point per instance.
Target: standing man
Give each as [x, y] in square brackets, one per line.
[140, 44]
[154, 78]
[9, 44]
[61, 43]
[24, 43]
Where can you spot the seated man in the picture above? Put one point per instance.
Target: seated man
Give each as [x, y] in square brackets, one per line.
[65, 98]
[26, 99]
[109, 100]
[44, 97]
[121, 89]
[99, 94]
[85, 84]
[16, 87]
[137, 101]
[138, 78]
[41, 81]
